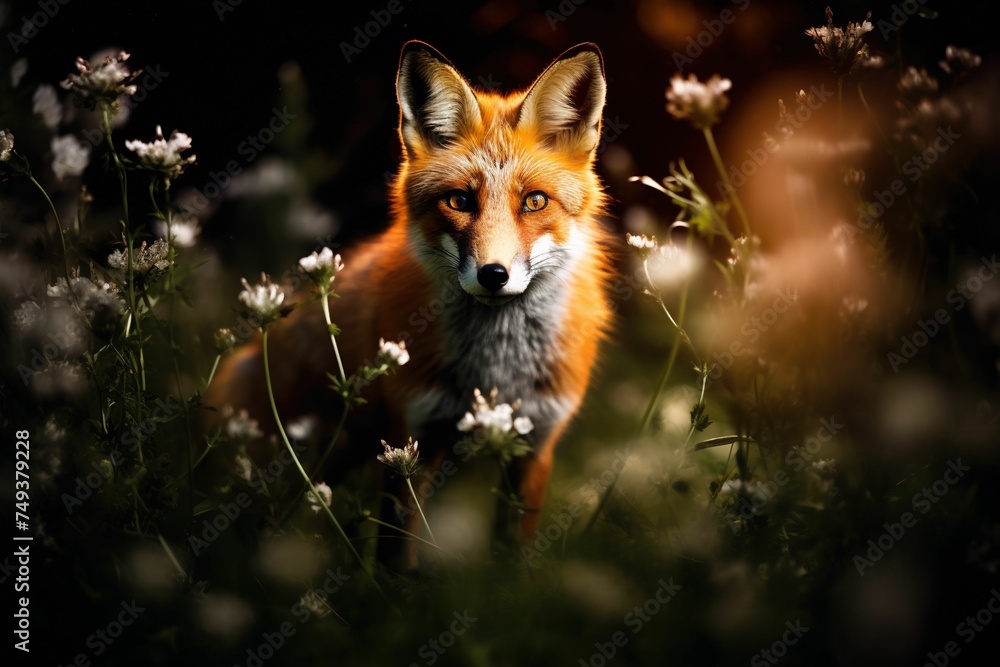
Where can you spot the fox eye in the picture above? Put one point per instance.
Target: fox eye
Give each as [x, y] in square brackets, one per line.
[458, 200]
[536, 201]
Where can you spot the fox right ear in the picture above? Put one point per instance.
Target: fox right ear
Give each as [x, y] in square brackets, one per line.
[436, 104]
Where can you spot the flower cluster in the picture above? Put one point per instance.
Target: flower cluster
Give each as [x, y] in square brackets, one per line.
[182, 233]
[844, 48]
[493, 428]
[70, 156]
[322, 267]
[643, 244]
[392, 354]
[321, 498]
[239, 427]
[958, 61]
[6, 145]
[163, 155]
[103, 84]
[263, 300]
[404, 461]
[701, 103]
[147, 259]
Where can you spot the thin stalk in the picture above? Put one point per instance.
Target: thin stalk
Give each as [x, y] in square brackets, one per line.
[384, 524]
[62, 235]
[717, 158]
[419, 508]
[325, 299]
[305, 477]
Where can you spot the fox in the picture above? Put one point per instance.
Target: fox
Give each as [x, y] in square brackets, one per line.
[494, 272]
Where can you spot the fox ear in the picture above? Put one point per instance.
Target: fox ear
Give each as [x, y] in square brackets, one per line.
[566, 101]
[436, 104]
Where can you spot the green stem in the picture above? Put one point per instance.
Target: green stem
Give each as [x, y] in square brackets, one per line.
[62, 235]
[305, 477]
[211, 375]
[324, 298]
[717, 158]
[378, 522]
[420, 509]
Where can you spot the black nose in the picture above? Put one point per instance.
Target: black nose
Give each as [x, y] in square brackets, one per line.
[493, 277]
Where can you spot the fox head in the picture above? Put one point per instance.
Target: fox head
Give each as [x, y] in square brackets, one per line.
[497, 190]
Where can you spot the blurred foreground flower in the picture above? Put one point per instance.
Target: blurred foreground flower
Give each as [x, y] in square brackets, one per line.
[145, 259]
[401, 460]
[322, 497]
[700, 103]
[6, 145]
[392, 354]
[103, 84]
[958, 61]
[163, 155]
[263, 300]
[239, 427]
[492, 427]
[183, 233]
[844, 48]
[69, 156]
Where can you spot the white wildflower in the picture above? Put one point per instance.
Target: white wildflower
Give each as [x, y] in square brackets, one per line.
[642, 244]
[302, 428]
[493, 428]
[672, 266]
[26, 315]
[325, 497]
[183, 232]
[957, 61]
[843, 47]
[225, 340]
[145, 259]
[392, 354]
[917, 83]
[17, 71]
[6, 145]
[103, 84]
[95, 299]
[701, 103]
[402, 460]
[163, 155]
[46, 104]
[239, 427]
[244, 467]
[69, 156]
[263, 300]
[825, 467]
[322, 267]
[315, 603]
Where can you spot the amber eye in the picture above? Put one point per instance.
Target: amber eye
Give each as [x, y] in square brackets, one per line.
[536, 201]
[458, 200]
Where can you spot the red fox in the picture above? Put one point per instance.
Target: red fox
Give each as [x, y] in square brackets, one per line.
[494, 273]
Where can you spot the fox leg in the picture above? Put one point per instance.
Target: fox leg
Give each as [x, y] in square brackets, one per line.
[529, 477]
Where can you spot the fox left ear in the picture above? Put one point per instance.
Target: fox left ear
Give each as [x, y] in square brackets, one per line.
[566, 100]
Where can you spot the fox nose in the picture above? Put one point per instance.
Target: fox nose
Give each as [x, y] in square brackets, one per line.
[493, 276]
